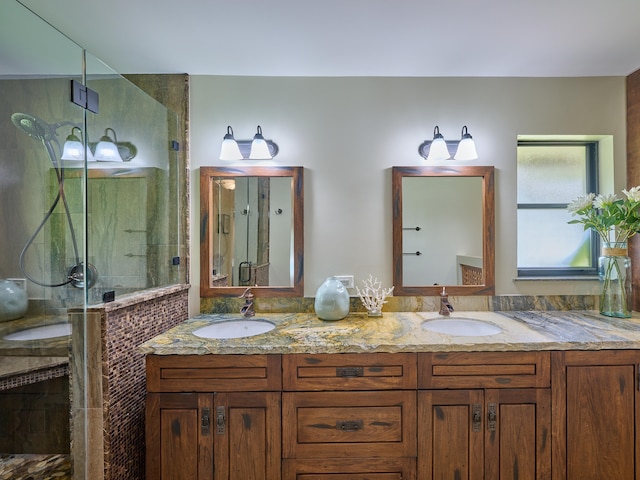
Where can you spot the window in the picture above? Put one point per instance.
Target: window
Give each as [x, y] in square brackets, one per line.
[550, 175]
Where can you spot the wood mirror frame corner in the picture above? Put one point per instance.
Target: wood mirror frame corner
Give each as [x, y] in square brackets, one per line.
[486, 173]
[207, 175]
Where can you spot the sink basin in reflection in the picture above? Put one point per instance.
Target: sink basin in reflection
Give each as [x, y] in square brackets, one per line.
[41, 333]
[464, 327]
[235, 328]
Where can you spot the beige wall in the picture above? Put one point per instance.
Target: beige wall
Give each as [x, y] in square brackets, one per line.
[348, 132]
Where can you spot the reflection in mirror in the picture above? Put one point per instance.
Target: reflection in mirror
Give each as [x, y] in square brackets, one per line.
[443, 230]
[251, 230]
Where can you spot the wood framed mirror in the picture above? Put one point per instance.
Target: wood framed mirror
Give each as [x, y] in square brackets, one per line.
[251, 231]
[443, 230]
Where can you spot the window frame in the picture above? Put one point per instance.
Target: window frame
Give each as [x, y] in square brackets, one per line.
[592, 185]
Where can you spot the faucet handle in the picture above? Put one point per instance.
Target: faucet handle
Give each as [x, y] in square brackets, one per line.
[248, 294]
[247, 309]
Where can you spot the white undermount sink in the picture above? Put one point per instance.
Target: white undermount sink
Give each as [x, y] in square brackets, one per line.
[464, 327]
[41, 333]
[236, 328]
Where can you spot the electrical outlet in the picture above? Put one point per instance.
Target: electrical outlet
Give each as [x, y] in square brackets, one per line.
[346, 280]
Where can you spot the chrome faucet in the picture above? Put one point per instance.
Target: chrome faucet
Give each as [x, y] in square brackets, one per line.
[247, 309]
[445, 306]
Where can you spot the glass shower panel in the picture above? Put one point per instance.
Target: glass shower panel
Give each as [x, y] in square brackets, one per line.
[41, 239]
[133, 208]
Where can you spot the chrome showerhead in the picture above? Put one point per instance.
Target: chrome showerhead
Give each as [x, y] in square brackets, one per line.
[32, 126]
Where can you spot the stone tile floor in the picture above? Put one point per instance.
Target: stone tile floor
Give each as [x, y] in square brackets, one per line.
[35, 467]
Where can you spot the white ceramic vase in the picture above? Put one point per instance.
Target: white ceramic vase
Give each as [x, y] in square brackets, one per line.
[332, 300]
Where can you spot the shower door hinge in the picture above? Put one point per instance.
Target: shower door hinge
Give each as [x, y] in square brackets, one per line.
[84, 97]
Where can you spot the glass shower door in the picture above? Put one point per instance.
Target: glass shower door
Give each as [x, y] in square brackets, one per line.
[42, 240]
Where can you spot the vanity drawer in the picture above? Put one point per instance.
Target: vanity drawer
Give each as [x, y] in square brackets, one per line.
[484, 370]
[349, 424]
[214, 373]
[352, 469]
[361, 371]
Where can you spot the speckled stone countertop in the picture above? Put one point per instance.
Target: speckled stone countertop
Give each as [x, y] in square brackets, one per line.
[403, 332]
[52, 347]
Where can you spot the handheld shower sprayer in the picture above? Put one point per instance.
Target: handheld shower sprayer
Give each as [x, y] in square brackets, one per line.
[32, 126]
[46, 133]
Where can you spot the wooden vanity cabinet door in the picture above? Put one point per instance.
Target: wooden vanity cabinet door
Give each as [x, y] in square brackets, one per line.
[517, 434]
[595, 416]
[247, 436]
[448, 445]
[484, 434]
[178, 448]
[227, 436]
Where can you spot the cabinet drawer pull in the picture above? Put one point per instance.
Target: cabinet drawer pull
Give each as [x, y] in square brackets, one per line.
[349, 371]
[350, 425]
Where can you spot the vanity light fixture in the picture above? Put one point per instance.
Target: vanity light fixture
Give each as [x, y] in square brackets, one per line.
[466, 147]
[111, 150]
[440, 149]
[230, 149]
[259, 147]
[256, 149]
[73, 148]
[106, 149]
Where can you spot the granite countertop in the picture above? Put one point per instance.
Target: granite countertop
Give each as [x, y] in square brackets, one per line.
[403, 332]
[46, 347]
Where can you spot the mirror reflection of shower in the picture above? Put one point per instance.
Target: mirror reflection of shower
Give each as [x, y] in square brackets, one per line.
[47, 134]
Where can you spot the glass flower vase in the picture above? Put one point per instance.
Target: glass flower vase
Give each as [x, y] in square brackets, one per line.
[614, 270]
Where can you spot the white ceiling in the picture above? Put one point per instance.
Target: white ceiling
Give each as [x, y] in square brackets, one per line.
[355, 37]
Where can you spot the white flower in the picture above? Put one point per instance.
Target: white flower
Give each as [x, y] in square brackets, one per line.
[580, 203]
[605, 199]
[633, 194]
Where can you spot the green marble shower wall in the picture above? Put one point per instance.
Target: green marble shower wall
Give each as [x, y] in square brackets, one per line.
[27, 186]
[135, 216]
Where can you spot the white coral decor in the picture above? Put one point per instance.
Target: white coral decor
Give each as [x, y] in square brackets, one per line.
[373, 296]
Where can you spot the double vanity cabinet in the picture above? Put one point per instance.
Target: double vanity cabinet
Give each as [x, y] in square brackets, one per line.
[519, 415]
